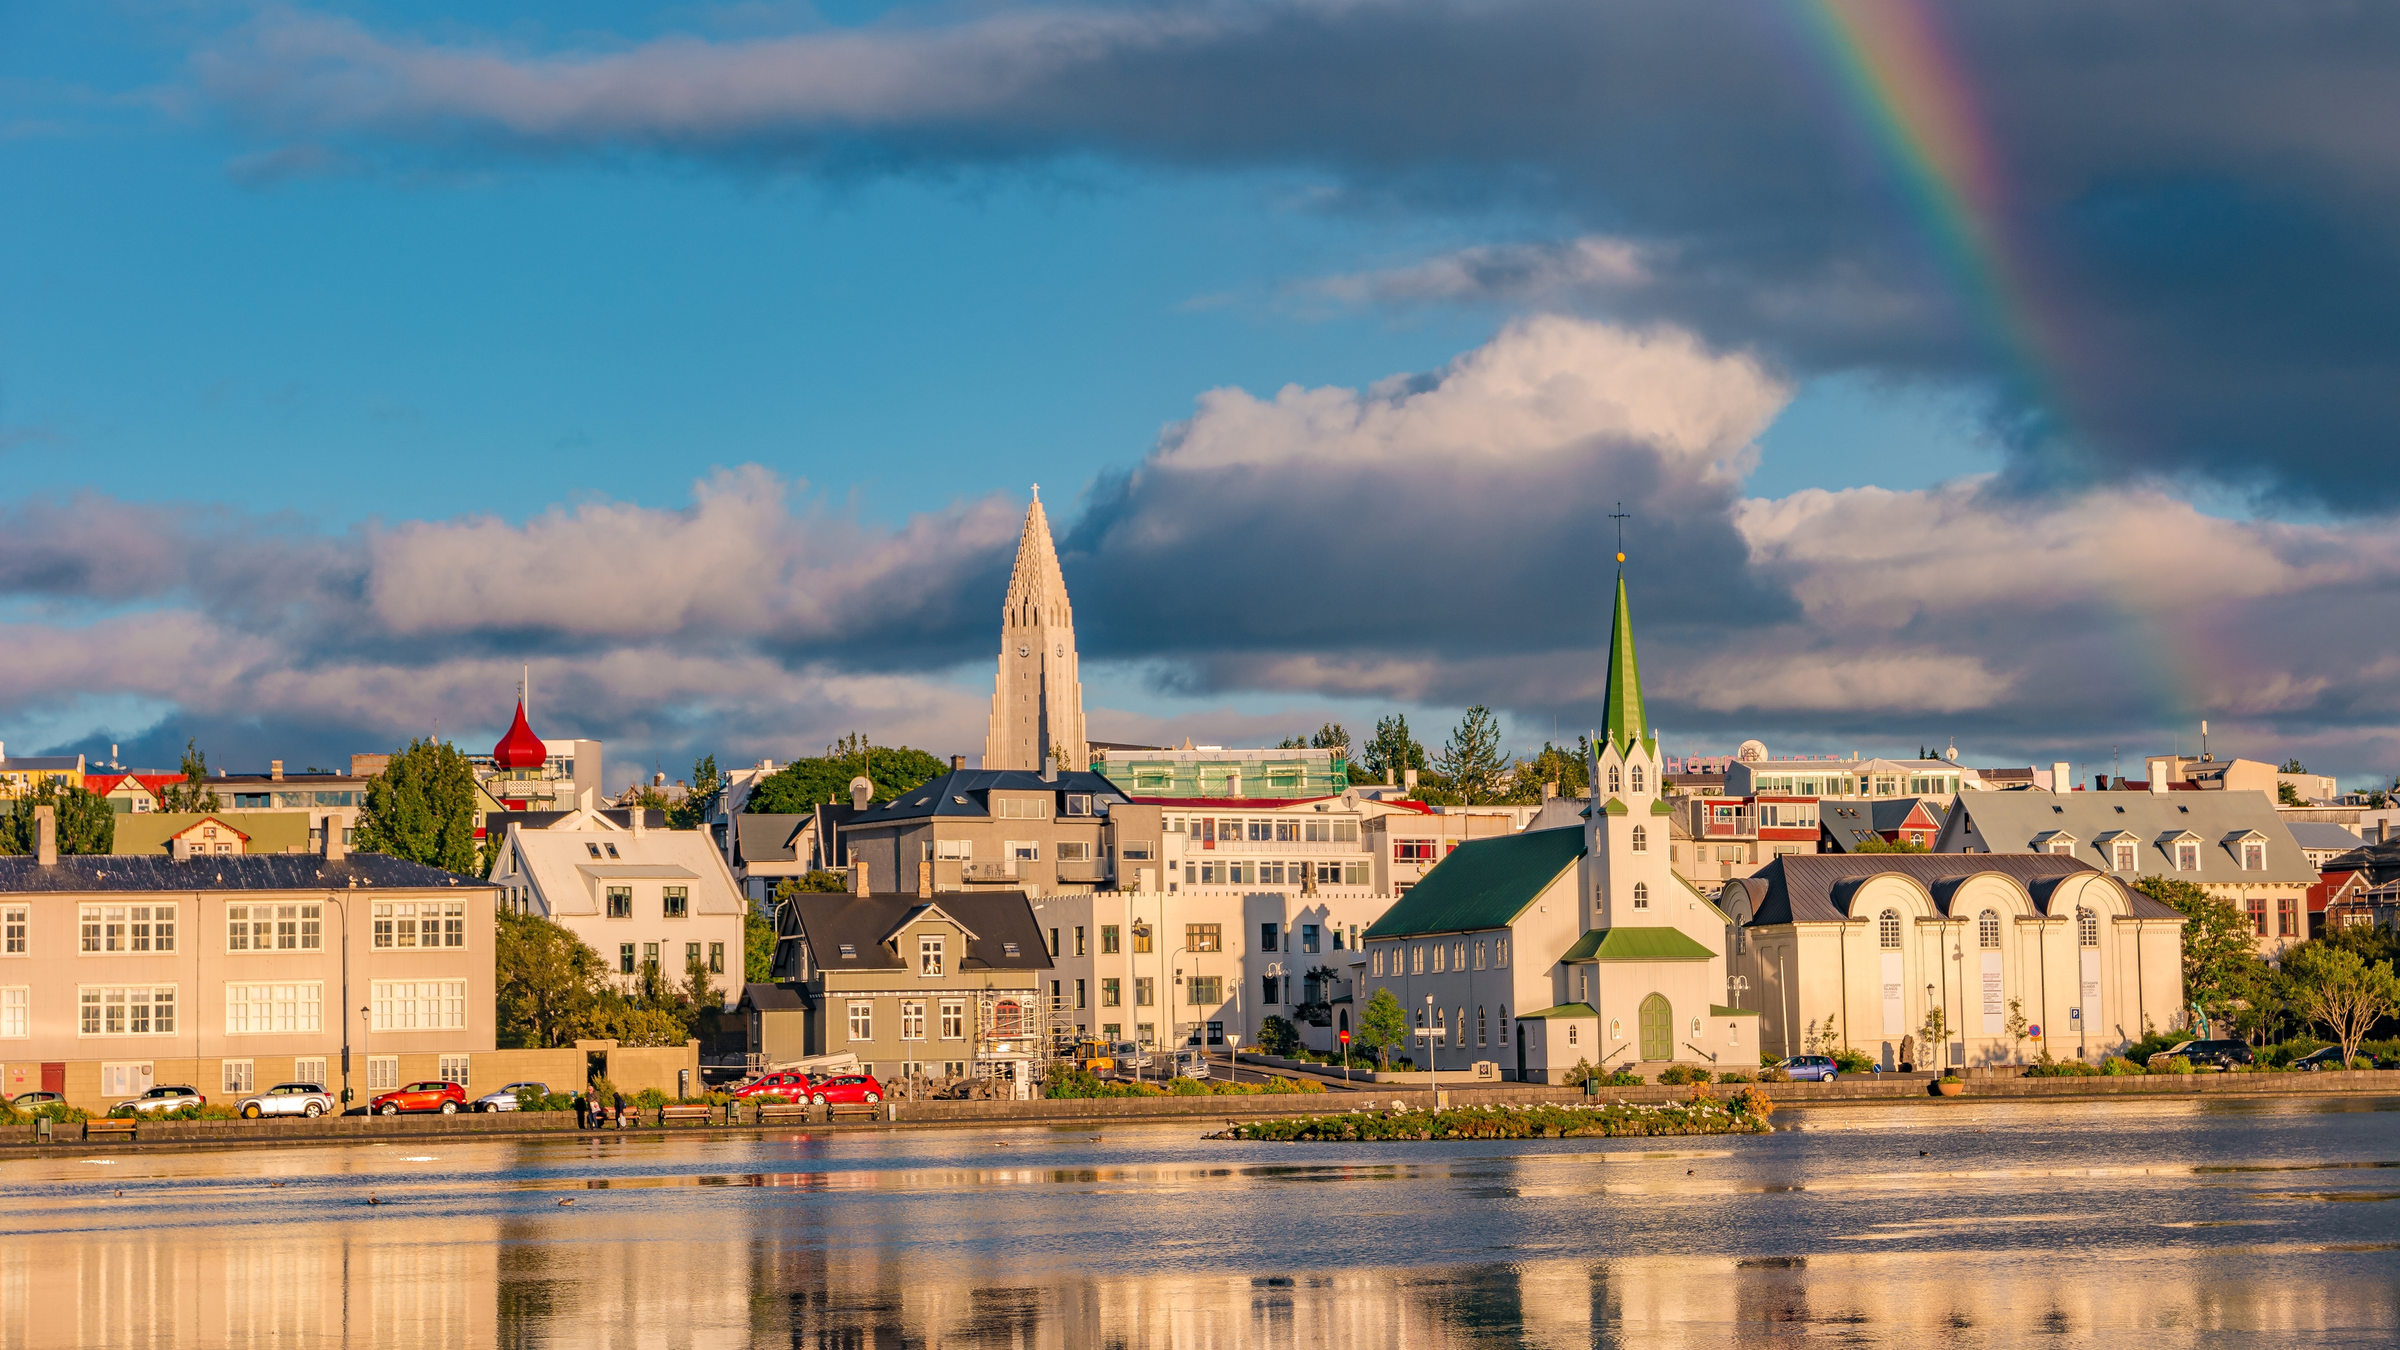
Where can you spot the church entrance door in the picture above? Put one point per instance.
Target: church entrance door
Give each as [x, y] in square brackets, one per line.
[1658, 1029]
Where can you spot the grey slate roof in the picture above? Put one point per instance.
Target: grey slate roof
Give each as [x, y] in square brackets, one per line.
[766, 997]
[2013, 822]
[2322, 835]
[830, 919]
[965, 792]
[1818, 889]
[21, 874]
[1847, 824]
[2381, 862]
[767, 836]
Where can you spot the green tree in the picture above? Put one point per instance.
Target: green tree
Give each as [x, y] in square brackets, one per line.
[1880, 845]
[701, 798]
[193, 793]
[2220, 951]
[805, 784]
[422, 808]
[2293, 765]
[548, 983]
[1277, 1036]
[758, 946]
[1472, 760]
[1569, 768]
[86, 822]
[1382, 1025]
[2287, 795]
[1393, 750]
[1331, 736]
[2336, 987]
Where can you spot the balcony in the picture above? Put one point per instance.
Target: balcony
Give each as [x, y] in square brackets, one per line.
[1091, 870]
[1288, 846]
[987, 871]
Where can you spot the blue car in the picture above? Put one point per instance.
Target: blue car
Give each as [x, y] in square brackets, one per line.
[1810, 1068]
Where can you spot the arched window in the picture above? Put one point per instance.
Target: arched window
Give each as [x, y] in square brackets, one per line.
[1008, 1019]
[2087, 927]
[1641, 840]
[1987, 931]
[1637, 777]
[1503, 1024]
[1888, 928]
[1612, 778]
[1641, 895]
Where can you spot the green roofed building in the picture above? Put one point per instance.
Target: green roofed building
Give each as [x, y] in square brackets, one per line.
[1540, 950]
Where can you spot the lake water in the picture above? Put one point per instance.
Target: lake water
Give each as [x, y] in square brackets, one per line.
[2250, 1223]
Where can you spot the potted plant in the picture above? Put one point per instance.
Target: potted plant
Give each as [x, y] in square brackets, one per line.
[1949, 1084]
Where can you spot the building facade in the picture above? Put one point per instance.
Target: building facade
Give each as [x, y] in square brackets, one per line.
[987, 829]
[646, 900]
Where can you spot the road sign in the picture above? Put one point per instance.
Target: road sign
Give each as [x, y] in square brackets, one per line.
[2034, 1031]
[1345, 1038]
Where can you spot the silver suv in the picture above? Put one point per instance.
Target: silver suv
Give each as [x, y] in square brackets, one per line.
[287, 1099]
[166, 1099]
[506, 1098]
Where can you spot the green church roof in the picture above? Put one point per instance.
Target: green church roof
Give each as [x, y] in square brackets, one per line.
[1623, 723]
[1484, 883]
[1636, 944]
[1563, 1010]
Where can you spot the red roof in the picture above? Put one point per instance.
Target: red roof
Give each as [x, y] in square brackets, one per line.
[520, 748]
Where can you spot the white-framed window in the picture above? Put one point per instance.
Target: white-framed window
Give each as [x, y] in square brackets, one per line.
[270, 1009]
[127, 928]
[912, 1019]
[954, 1019]
[929, 956]
[418, 1005]
[2087, 927]
[454, 1069]
[862, 1020]
[2254, 856]
[1641, 839]
[1025, 850]
[1500, 962]
[383, 1073]
[2063, 847]
[2127, 855]
[429, 924]
[1440, 953]
[1074, 850]
[1021, 808]
[274, 928]
[1637, 786]
[16, 1012]
[2187, 857]
[125, 1079]
[1480, 954]
[1376, 957]
[1887, 929]
[1613, 779]
[1641, 895]
[240, 1076]
[125, 1010]
[1458, 956]
[16, 926]
[309, 1071]
[1987, 930]
[1417, 959]
[954, 850]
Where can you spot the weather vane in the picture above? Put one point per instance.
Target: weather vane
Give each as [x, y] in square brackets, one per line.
[1620, 517]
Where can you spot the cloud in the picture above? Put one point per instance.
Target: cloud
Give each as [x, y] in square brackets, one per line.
[2181, 268]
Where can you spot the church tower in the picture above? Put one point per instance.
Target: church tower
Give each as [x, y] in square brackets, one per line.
[1037, 696]
[1629, 880]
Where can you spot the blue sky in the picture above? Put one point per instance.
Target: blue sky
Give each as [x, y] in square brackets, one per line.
[275, 315]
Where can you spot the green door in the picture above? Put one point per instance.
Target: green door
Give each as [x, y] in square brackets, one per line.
[1658, 1029]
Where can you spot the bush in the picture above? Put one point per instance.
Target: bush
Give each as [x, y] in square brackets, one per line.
[772, 1099]
[2047, 1067]
[1574, 1077]
[2118, 1067]
[1289, 1085]
[529, 1100]
[1680, 1075]
[650, 1099]
[1278, 1037]
[1771, 1074]
[2178, 1064]
[2141, 1051]
[1729, 1076]
[1621, 1078]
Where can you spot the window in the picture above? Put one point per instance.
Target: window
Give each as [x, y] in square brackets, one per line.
[1074, 850]
[2287, 917]
[1641, 895]
[1204, 990]
[677, 902]
[1079, 996]
[383, 1072]
[929, 956]
[1887, 929]
[1112, 993]
[1637, 786]
[454, 1069]
[954, 850]
[1270, 990]
[1412, 850]
[624, 958]
[1308, 937]
[1416, 959]
[1137, 851]
[1480, 1025]
[1987, 931]
[1203, 937]
[2187, 857]
[1458, 956]
[954, 1020]
[2062, 847]
[1268, 938]
[1375, 960]
[126, 1010]
[1141, 938]
[862, 1020]
[2258, 914]
[2125, 852]
[1641, 839]
[14, 922]
[1108, 939]
[1143, 987]
[912, 1019]
[241, 1076]
[260, 928]
[1500, 956]
[620, 902]
[650, 957]
[1079, 804]
[428, 925]
[593, 849]
[2254, 857]
[1025, 850]
[311, 1071]
[612, 849]
[1440, 952]
[2087, 927]
[418, 1005]
[1079, 939]
[16, 1013]
[269, 1009]
[1613, 779]
[716, 958]
[1054, 943]
[1021, 808]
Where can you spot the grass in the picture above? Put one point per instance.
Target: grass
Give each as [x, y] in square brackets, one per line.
[1704, 1114]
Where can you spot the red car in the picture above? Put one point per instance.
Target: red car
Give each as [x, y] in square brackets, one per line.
[789, 1084]
[847, 1087]
[447, 1098]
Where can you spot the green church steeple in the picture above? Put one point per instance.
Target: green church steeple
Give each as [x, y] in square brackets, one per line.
[1624, 723]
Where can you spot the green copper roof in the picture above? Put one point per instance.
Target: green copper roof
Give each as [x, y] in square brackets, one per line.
[1563, 1010]
[1483, 883]
[1624, 723]
[1636, 944]
[1720, 1010]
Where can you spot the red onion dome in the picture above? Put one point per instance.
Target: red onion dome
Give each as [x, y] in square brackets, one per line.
[520, 748]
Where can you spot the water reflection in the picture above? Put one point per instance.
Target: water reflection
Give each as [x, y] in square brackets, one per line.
[1882, 1226]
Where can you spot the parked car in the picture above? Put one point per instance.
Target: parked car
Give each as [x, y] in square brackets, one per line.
[846, 1087]
[436, 1095]
[1810, 1068]
[2331, 1058]
[788, 1083]
[166, 1099]
[287, 1099]
[1129, 1056]
[26, 1101]
[506, 1098]
[1191, 1064]
[2218, 1055]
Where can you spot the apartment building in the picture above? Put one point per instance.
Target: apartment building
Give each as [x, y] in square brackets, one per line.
[987, 829]
[645, 899]
[1732, 836]
[1854, 776]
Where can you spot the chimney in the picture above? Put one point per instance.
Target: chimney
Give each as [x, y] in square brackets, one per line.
[1050, 767]
[2163, 769]
[1408, 780]
[45, 835]
[861, 793]
[958, 764]
[640, 816]
[180, 849]
[925, 880]
[275, 770]
[333, 839]
[858, 876]
[2099, 782]
[2062, 777]
[1549, 791]
[659, 779]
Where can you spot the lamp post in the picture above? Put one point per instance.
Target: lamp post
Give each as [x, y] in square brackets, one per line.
[1432, 1036]
[1140, 929]
[365, 1024]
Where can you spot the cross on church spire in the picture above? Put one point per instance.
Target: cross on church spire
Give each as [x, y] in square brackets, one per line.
[1620, 517]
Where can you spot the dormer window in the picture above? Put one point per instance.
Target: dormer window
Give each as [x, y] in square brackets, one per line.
[2065, 847]
[929, 957]
[2187, 856]
[2254, 855]
[1079, 804]
[849, 952]
[2126, 855]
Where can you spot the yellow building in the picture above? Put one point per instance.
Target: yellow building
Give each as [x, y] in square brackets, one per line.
[23, 774]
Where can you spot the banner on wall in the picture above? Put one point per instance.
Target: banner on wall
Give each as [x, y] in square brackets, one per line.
[1895, 1018]
[1995, 1004]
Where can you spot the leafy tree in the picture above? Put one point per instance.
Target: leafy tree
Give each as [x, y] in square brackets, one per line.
[1382, 1025]
[758, 946]
[2293, 765]
[86, 822]
[548, 982]
[2287, 795]
[2017, 1026]
[1393, 750]
[2220, 952]
[1569, 768]
[193, 793]
[1331, 736]
[422, 808]
[805, 784]
[1933, 1036]
[2336, 987]
[1277, 1036]
[1472, 760]
[701, 798]
[1881, 845]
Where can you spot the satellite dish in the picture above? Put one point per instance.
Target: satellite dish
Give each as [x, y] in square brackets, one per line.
[1751, 752]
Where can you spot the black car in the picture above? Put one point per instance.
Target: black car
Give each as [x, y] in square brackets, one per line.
[2331, 1058]
[2218, 1055]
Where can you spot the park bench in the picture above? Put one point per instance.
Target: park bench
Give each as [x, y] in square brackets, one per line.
[108, 1129]
[792, 1113]
[694, 1114]
[854, 1111]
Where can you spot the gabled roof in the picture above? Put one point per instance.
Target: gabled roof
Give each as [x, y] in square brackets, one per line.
[147, 832]
[2380, 862]
[767, 837]
[992, 921]
[925, 909]
[2007, 822]
[1847, 824]
[1636, 944]
[2322, 836]
[761, 996]
[966, 792]
[1818, 889]
[1483, 883]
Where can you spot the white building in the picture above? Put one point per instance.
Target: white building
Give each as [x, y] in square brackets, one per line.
[640, 897]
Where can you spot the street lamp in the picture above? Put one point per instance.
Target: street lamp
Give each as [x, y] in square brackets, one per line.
[1141, 935]
[1432, 1036]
